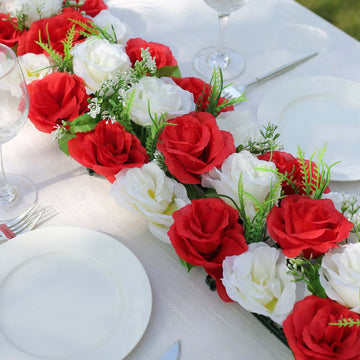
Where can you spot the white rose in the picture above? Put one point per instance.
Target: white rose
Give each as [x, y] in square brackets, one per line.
[150, 192]
[112, 25]
[259, 282]
[164, 97]
[96, 60]
[35, 66]
[340, 275]
[257, 178]
[241, 124]
[34, 9]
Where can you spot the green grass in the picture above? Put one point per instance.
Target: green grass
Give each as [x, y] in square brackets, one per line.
[344, 14]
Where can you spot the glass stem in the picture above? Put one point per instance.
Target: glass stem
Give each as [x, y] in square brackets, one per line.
[223, 20]
[220, 58]
[7, 191]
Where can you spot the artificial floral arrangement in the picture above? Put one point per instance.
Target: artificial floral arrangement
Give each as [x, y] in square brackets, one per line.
[262, 223]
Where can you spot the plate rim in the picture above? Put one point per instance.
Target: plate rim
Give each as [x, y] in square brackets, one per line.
[42, 236]
[267, 113]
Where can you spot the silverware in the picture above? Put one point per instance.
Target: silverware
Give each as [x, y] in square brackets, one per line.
[172, 353]
[24, 222]
[235, 91]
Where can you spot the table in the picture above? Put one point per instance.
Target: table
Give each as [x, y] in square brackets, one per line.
[267, 33]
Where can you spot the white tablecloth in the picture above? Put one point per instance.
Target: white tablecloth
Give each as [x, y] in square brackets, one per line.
[268, 33]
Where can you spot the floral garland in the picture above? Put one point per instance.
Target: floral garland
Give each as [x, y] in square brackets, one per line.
[260, 221]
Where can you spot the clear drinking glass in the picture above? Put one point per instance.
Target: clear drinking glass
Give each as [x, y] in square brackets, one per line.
[230, 61]
[17, 193]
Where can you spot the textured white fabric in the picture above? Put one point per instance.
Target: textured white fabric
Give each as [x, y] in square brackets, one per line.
[268, 33]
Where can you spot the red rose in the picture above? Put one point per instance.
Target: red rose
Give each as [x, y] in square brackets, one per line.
[107, 149]
[56, 97]
[204, 233]
[162, 53]
[91, 7]
[200, 90]
[291, 166]
[310, 336]
[312, 226]
[9, 35]
[194, 146]
[57, 28]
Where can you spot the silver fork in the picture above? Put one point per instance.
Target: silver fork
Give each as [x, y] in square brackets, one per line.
[232, 91]
[24, 222]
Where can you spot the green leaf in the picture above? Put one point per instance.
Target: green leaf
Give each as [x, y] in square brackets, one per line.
[187, 266]
[83, 123]
[169, 71]
[63, 142]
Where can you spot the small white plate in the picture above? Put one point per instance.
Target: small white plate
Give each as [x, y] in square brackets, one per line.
[312, 111]
[71, 293]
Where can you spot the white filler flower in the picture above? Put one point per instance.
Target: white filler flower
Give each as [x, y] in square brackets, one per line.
[112, 25]
[150, 192]
[256, 175]
[340, 275]
[35, 66]
[259, 282]
[96, 60]
[163, 95]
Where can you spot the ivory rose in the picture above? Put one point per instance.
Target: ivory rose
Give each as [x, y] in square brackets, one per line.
[340, 275]
[241, 124]
[257, 177]
[150, 192]
[258, 280]
[35, 66]
[112, 25]
[163, 95]
[96, 60]
[34, 9]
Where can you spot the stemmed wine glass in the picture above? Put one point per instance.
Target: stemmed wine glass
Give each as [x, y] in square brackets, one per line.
[230, 62]
[16, 192]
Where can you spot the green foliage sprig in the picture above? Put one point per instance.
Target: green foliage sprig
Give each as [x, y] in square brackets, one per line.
[349, 322]
[315, 181]
[269, 141]
[62, 63]
[213, 96]
[254, 228]
[307, 270]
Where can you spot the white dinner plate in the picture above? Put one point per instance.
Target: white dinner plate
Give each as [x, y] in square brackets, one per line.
[71, 293]
[312, 111]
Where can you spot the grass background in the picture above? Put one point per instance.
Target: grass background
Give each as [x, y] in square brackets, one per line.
[344, 14]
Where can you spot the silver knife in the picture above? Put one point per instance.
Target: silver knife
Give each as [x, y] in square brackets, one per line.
[172, 353]
[235, 91]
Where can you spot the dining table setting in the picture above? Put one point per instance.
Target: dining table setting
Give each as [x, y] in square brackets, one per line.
[82, 275]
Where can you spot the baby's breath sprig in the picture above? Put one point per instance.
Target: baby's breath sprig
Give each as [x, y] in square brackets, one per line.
[347, 322]
[350, 208]
[269, 141]
[307, 270]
